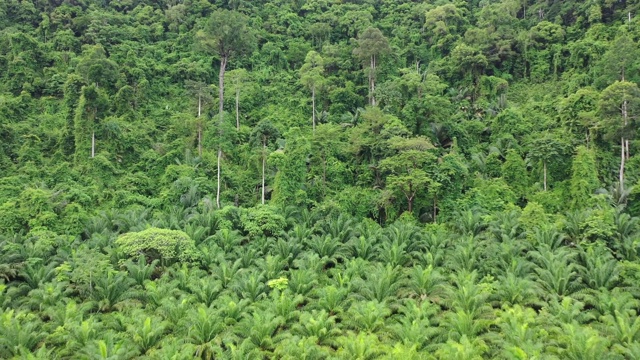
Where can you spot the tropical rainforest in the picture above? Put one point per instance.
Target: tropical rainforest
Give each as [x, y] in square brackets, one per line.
[319, 179]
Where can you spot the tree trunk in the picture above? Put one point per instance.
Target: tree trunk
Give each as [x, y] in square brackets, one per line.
[313, 106]
[264, 149]
[237, 106]
[93, 144]
[435, 209]
[223, 65]
[622, 157]
[324, 175]
[626, 145]
[623, 143]
[544, 167]
[372, 80]
[199, 126]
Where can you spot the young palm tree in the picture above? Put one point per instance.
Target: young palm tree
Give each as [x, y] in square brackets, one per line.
[302, 281]
[362, 247]
[339, 228]
[232, 309]
[110, 289]
[393, 253]
[362, 345]
[566, 311]
[521, 337]
[414, 324]
[318, 325]
[295, 348]
[141, 271]
[426, 283]
[205, 291]
[469, 295]
[202, 327]
[369, 316]
[617, 300]
[109, 347]
[464, 349]
[599, 268]
[327, 247]
[513, 289]
[19, 332]
[331, 299]
[226, 272]
[578, 342]
[556, 270]
[469, 222]
[250, 285]
[287, 250]
[260, 329]
[549, 237]
[146, 332]
[623, 327]
[381, 284]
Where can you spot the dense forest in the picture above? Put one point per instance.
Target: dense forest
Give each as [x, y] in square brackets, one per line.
[319, 179]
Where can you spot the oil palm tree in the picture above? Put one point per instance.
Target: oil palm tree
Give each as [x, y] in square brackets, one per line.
[19, 332]
[318, 325]
[202, 327]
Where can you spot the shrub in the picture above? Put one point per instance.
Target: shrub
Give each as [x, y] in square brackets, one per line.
[154, 243]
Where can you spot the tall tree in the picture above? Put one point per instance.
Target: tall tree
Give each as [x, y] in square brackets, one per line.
[91, 107]
[544, 148]
[406, 168]
[262, 134]
[237, 77]
[225, 34]
[311, 77]
[202, 92]
[620, 105]
[96, 68]
[618, 62]
[372, 44]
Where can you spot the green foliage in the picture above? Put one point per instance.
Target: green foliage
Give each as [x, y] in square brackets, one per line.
[114, 246]
[584, 178]
[154, 243]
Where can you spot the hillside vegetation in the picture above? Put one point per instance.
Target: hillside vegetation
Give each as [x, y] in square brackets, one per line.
[319, 179]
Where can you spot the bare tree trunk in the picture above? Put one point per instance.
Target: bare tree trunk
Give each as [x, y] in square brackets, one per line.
[313, 105]
[626, 145]
[199, 125]
[544, 167]
[218, 190]
[93, 144]
[622, 164]
[372, 80]
[223, 65]
[435, 209]
[264, 149]
[623, 143]
[237, 106]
